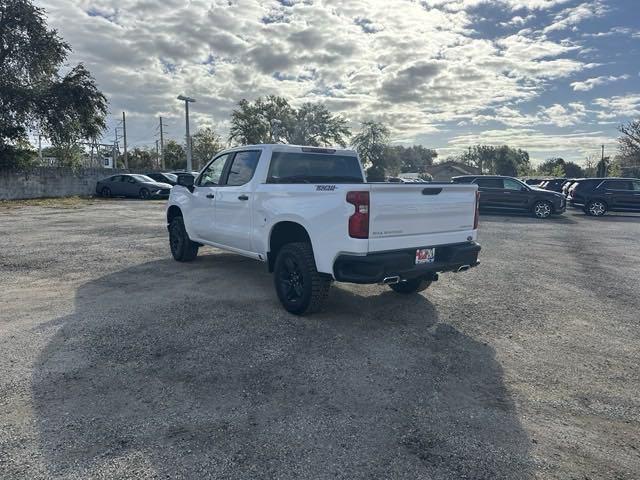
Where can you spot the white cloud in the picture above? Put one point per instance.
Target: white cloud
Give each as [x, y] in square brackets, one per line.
[572, 16]
[420, 66]
[622, 106]
[591, 83]
[625, 31]
[540, 145]
[557, 115]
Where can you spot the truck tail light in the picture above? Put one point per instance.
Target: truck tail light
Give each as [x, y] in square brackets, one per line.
[359, 221]
[476, 218]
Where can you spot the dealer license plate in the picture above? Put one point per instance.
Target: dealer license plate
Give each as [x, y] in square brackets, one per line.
[425, 255]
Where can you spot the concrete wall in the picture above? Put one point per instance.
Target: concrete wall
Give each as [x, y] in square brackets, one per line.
[46, 182]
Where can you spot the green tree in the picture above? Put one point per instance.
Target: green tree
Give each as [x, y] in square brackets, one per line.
[479, 156]
[372, 143]
[21, 156]
[33, 92]
[573, 170]
[140, 159]
[273, 120]
[175, 157]
[415, 158]
[205, 144]
[313, 124]
[548, 166]
[67, 154]
[262, 121]
[502, 160]
[615, 169]
[558, 171]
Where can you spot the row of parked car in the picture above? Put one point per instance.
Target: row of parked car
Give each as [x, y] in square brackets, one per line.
[144, 186]
[598, 195]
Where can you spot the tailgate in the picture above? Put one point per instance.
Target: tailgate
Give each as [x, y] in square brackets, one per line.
[420, 215]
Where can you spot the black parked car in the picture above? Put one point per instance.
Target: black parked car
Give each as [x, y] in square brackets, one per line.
[533, 181]
[596, 196]
[132, 185]
[554, 185]
[509, 194]
[162, 177]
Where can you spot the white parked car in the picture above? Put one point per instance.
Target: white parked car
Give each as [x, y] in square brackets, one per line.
[309, 214]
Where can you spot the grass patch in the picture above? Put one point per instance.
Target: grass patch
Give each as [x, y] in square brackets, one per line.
[62, 202]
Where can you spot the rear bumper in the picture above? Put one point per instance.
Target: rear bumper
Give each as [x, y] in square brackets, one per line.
[374, 267]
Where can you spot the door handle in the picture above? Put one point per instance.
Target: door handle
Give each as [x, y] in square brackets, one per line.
[210, 195]
[243, 197]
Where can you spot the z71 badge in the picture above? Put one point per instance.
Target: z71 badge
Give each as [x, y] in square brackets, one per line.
[325, 188]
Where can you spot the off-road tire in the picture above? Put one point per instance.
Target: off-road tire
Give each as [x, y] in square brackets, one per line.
[311, 287]
[410, 286]
[182, 248]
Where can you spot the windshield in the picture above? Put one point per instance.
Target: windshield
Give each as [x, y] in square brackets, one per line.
[171, 176]
[300, 167]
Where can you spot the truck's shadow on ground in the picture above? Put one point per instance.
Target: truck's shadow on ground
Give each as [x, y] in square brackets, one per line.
[525, 218]
[194, 371]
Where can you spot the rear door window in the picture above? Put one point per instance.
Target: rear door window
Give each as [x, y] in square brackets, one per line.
[618, 185]
[510, 184]
[303, 167]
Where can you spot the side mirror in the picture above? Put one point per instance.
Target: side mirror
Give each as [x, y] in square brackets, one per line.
[186, 180]
[524, 189]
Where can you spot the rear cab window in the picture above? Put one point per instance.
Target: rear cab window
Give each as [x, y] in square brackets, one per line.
[314, 167]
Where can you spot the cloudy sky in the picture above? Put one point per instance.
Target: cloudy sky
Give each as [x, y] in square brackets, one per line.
[554, 77]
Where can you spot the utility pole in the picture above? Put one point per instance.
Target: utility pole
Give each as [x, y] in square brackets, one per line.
[115, 150]
[187, 101]
[161, 144]
[124, 134]
[157, 154]
[604, 167]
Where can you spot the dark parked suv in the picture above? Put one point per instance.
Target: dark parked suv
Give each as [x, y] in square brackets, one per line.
[508, 194]
[599, 195]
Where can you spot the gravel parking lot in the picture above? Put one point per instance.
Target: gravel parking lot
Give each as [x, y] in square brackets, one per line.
[118, 362]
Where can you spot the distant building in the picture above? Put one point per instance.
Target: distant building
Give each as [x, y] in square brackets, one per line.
[443, 172]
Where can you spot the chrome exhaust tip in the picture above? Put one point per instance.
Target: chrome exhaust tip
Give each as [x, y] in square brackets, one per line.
[391, 280]
[463, 268]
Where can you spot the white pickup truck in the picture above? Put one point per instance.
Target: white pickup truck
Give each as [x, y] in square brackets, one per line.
[309, 214]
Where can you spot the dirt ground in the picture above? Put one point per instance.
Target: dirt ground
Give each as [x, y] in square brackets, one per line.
[117, 362]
